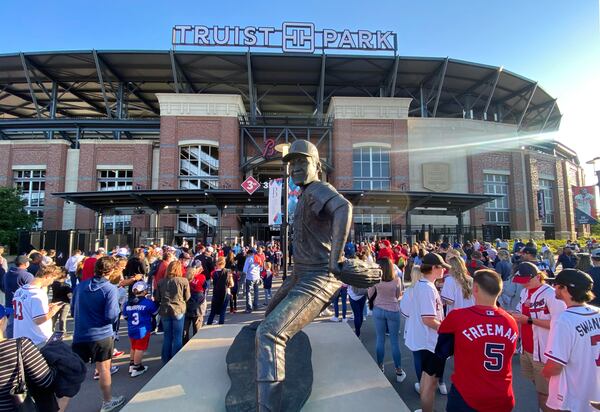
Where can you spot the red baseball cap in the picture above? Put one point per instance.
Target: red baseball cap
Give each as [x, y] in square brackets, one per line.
[386, 243]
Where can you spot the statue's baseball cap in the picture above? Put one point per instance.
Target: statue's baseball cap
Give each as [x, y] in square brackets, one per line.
[434, 259]
[575, 279]
[301, 147]
[525, 271]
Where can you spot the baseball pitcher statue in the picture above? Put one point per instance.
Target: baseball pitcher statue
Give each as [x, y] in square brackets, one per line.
[322, 221]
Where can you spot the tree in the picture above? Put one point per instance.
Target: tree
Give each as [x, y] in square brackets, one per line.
[12, 215]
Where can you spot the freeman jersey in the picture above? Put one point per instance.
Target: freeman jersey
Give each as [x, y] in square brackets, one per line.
[574, 342]
[483, 340]
[425, 301]
[139, 317]
[29, 303]
[542, 305]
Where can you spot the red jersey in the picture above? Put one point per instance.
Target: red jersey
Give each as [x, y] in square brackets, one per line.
[87, 270]
[483, 340]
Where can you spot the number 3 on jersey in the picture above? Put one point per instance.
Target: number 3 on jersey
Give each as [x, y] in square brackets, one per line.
[494, 354]
[135, 319]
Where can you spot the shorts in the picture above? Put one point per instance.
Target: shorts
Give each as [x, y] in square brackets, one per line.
[532, 370]
[140, 344]
[456, 402]
[98, 351]
[432, 364]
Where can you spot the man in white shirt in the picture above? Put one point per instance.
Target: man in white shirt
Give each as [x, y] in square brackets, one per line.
[426, 315]
[71, 266]
[32, 312]
[573, 350]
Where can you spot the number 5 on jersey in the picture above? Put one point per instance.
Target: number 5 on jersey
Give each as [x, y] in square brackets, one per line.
[494, 356]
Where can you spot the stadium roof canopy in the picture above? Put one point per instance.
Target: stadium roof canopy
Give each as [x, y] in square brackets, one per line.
[122, 85]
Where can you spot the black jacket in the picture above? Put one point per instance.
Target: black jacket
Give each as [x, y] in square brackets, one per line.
[68, 367]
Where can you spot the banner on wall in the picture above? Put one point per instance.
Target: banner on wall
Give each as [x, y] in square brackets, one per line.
[584, 200]
[275, 191]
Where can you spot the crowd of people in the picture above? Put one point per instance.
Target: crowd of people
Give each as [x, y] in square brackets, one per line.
[476, 301]
[482, 303]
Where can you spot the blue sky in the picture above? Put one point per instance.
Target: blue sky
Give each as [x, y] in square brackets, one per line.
[554, 42]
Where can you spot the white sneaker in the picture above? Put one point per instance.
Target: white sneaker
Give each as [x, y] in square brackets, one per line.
[113, 404]
[351, 317]
[138, 371]
[333, 319]
[442, 388]
[417, 387]
[344, 320]
[400, 376]
[131, 367]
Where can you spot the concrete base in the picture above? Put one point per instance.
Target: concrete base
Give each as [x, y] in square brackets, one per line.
[526, 235]
[345, 376]
[565, 235]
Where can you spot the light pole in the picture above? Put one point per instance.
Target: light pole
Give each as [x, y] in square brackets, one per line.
[283, 149]
[596, 163]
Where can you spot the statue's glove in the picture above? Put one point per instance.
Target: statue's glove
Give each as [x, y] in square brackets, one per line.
[359, 273]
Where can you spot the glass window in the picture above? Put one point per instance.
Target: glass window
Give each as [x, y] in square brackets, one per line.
[32, 184]
[371, 168]
[195, 223]
[498, 210]
[372, 225]
[116, 179]
[547, 188]
[199, 167]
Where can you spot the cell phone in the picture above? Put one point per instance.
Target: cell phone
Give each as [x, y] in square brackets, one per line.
[56, 337]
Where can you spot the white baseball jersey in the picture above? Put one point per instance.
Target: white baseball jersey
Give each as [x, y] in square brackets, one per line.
[542, 305]
[425, 302]
[452, 293]
[29, 303]
[575, 343]
[405, 306]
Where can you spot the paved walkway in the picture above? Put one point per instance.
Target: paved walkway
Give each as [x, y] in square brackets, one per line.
[89, 399]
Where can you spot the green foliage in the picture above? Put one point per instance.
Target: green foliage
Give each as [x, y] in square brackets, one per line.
[596, 231]
[12, 215]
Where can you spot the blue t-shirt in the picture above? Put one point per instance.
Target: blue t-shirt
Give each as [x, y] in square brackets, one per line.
[139, 317]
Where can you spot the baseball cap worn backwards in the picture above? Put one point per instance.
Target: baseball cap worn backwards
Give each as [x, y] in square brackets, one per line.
[525, 271]
[139, 286]
[434, 259]
[575, 279]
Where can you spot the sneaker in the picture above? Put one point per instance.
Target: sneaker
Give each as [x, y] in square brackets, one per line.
[351, 317]
[334, 319]
[442, 388]
[113, 370]
[417, 387]
[113, 404]
[139, 370]
[131, 366]
[400, 375]
[382, 367]
[117, 353]
[344, 320]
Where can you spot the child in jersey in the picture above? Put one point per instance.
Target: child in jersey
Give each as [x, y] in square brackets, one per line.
[139, 311]
[267, 278]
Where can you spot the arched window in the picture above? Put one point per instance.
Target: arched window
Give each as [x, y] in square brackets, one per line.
[199, 167]
[371, 167]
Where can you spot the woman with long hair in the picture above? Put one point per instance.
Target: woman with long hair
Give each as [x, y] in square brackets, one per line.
[230, 264]
[222, 283]
[196, 304]
[386, 313]
[457, 292]
[172, 293]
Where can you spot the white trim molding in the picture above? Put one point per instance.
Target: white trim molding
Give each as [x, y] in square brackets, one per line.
[371, 144]
[546, 177]
[29, 167]
[496, 172]
[114, 167]
[369, 107]
[116, 142]
[196, 142]
[36, 142]
[187, 104]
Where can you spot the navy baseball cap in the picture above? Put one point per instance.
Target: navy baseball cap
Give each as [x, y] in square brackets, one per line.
[4, 311]
[575, 279]
[525, 271]
[530, 250]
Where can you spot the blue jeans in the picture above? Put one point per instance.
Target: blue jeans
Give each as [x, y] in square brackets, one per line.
[357, 309]
[268, 295]
[74, 279]
[222, 311]
[173, 337]
[343, 293]
[390, 319]
[252, 294]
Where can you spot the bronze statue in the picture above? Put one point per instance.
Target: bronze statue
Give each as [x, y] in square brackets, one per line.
[321, 225]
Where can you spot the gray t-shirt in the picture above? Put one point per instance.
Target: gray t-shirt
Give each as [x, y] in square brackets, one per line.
[312, 223]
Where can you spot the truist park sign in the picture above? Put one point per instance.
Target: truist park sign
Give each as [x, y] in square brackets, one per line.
[291, 38]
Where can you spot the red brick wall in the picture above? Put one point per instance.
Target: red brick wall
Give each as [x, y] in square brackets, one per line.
[54, 157]
[347, 132]
[92, 154]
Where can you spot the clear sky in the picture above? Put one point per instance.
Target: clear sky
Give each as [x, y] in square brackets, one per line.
[554, 42]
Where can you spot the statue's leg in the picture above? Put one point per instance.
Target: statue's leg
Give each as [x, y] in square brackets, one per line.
[301, 306]
[281, 293]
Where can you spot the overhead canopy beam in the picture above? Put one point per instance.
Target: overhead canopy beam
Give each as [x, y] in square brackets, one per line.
[251, 89]
[394, 75]
[321, 90]
[440, 86]
[176, 67]
[491, 95]
[101, 81]
[526, 107]
[548, 116]
[33, 97]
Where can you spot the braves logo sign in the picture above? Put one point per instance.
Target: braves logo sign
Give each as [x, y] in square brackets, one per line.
[269, 149]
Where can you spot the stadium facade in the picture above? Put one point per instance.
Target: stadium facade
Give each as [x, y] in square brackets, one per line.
[139, 143]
